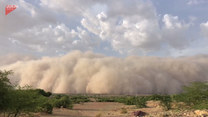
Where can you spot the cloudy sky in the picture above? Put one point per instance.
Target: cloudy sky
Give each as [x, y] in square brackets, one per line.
[111, 27]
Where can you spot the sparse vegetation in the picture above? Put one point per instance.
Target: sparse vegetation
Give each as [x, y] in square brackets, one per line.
[61, 101]
[79, 99]
[123, 111]
[195, 95]
[141, 102]
[165, 100]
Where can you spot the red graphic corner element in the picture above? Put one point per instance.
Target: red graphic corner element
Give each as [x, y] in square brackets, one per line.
[9, 9]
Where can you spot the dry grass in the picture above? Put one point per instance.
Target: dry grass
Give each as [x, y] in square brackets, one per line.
[123, 111]
[98, 115]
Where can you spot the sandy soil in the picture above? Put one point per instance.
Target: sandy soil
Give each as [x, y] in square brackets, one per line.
[103, 109]
[92, 109]
[112, 109]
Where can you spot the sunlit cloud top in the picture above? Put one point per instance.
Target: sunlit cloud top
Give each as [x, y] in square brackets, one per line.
[110, 27]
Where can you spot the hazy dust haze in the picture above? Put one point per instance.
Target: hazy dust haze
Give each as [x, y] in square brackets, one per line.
[79, 72]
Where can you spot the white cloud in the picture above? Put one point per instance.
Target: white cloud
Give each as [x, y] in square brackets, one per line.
[69, 7]
[131, 27]
[204, 29]
[171, 21]
[130, 30]
[196, 2]
[110, 24]
[137, 33]
[36, 29]
[175, 32]
[55, 38]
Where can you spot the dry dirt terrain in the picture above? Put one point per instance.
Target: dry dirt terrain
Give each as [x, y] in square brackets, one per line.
[92, 109]
[107, 109]
[112, 109]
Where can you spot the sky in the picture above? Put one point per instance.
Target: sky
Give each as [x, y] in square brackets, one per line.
[120, 28]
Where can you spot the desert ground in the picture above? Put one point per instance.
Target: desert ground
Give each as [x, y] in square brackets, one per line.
[112, 109]
[93, 109]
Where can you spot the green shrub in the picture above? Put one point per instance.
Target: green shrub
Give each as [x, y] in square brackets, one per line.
[79, 99]
[165, 100]
[105, 99]
[58, 96]
[141, 102]
[62, 102]
[47, 108]
[194, 95]
[43, 93]
[130, 100]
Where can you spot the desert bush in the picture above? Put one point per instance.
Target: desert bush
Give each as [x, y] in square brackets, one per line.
[165, 100]
[141, 102]
[105, 99]
[47, 108]
[130, 100]
[58, 96]
[79, 99]
[61, 101]
[194, 95]
[43, 93]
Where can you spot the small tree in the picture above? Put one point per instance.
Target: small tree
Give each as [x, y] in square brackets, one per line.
[5, 88]
[24, 101]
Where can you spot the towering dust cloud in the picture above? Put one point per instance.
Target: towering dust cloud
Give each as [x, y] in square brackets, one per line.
[79, 72]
